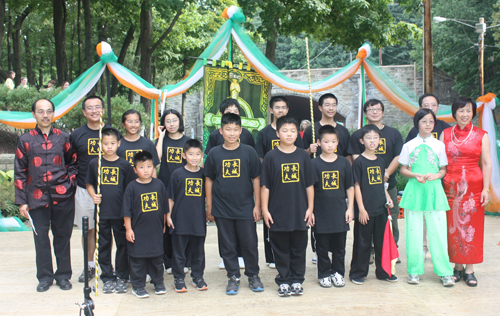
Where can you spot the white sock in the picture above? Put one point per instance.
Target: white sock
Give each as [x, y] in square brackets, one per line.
[91, 264]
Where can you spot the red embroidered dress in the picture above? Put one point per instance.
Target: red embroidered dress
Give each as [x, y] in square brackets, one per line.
[463, 184]
[44, 164]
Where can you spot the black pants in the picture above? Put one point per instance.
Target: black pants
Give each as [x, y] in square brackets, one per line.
[107, 229]
[363, 235]
[139, 267]
[267, 245]
[167, 249]
[59, 218]
[290, 255]
[180, 245]
[230, 233]
[334, 242]
[313, 239]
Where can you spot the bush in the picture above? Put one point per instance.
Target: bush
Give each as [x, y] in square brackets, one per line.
[8, 207]
[22, 99]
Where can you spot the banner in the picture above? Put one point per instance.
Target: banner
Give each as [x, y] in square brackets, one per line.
[246, 86]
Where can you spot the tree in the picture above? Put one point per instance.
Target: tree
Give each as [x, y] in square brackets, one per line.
[16, 43]
[60, 16]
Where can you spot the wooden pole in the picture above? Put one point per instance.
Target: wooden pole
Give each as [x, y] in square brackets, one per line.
[428, 67]
[481, 60]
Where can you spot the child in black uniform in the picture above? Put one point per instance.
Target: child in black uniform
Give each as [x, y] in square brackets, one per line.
[144, 211]
[370, 209]
[186, 219]
[334, 185]
[287, 204]
[116, 174]
[232, 173]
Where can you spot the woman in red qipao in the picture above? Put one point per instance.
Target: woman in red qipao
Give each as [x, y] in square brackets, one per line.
[466, 186]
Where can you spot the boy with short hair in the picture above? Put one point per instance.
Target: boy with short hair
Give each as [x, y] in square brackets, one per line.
[116, 173]
[144, 210]
[333, 187]
[372, 200]
[232, 177]
[287, 205]
[186, 219]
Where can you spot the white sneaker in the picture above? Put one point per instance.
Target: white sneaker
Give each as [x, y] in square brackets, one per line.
[169, 271]
[272, 265]
[448, 280]
[221, 265]
[148, 277]
[186, 270]
[241, 262]
[325, 282]
[315, 259]
[337, 279]
[413, 279]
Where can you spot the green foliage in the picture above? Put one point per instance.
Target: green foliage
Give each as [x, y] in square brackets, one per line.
[22, 99]
[7, 195]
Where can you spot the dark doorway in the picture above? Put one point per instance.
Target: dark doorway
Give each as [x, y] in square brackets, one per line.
[300, 110]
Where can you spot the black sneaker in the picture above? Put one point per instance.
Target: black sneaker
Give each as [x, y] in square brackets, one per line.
[255, 284]
[121, 286]
[81, 278]
[391, 279]
[108, 287]
[160, 289]
[233, 286]
[180, 286]
[200, 284]
[297, 289]
[43, 286]
[358, 281]
[140, 292]
[284, 290]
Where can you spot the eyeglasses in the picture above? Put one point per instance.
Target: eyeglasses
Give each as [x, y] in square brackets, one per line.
[329, 105]
[427, 122]
[93, 108]
[372, 138]
[171, 122]
[374, 110]
[41, 112]
[133, 122]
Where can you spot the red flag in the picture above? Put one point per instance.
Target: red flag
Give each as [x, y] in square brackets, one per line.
[390, 252]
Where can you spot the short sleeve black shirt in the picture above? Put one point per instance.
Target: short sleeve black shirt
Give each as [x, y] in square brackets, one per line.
[127, 149]
[216, 139]
[287, 176]
[369, 174]
[390, 147]
[146, 204]
[187, 190]
[232, 172]
[342, 132]
[115, 176]
[267, 140]
[439, 127]
[86, 143]
[334, 178]
[171, 158]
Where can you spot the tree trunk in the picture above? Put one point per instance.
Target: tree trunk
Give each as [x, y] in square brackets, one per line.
[271, 43]
[137, 55]
[121, 58]
[27, 55]
[79, 31]
[16, 43]
[9, 31]
[40, 73]
[60, 16]
[2, 24]
[88, 34]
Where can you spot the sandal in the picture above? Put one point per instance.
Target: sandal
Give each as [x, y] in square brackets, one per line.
[469, 278]
[457, 275]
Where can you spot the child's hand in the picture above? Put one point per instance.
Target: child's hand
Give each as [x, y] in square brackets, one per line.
[313, 148]
[130, 235]
[363, 217]
[161, 131]
[97, 199]
[429, 177]
[257, 213]
[389, 203]
[386, 177]
[309, 218]
[420, 178]
[268, 219]
[170, 223]
[208, 212]
[349, 214]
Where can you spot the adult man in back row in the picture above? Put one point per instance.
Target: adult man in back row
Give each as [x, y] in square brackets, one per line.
[85, 140]
[44, 171]
[429, 101]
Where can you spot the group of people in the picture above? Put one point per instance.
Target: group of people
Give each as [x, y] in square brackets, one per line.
[322, 181]
[9, 82]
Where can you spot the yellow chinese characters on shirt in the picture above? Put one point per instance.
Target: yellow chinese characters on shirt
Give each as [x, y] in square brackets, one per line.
[330, 180]
[435, 135]
[275, 143]
[382, 147]
[230, 168]
[174, 154]
[93, 146]
[374, 175]
[290, 172]
[193, 186]
[110, 175]
[149, 202]
[129, 155]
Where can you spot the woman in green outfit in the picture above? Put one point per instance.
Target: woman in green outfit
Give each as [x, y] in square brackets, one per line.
[423, 160]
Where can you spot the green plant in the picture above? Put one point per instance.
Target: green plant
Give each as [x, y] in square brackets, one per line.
[8, 207]
[402, 181]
